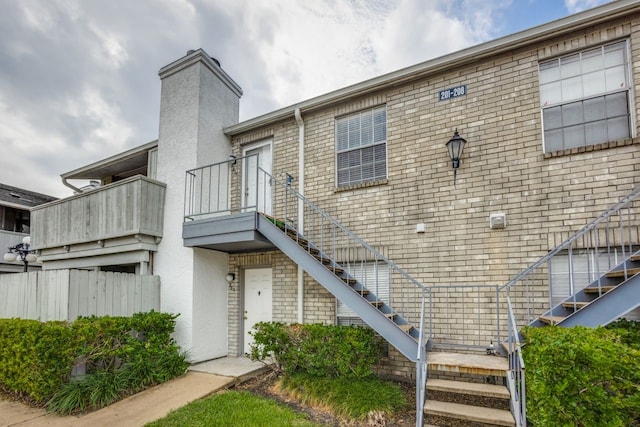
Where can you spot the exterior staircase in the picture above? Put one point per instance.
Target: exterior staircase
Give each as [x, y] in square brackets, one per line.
[615, 234]
[467, 389]
[602, 301]
[337, 280]
[458, 397]
[478, 396]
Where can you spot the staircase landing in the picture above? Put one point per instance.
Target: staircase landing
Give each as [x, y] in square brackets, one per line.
[468, 363]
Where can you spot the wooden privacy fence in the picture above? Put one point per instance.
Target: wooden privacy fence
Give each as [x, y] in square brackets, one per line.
[67, 294]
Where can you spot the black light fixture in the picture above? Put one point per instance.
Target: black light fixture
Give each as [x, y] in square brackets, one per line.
[230, 277]
[21, 253]
[455, 146]
[290, 179]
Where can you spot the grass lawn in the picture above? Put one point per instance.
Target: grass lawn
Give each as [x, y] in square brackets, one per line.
[260, 404]
[233, 408]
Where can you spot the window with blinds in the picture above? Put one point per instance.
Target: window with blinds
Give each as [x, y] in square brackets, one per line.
[584, 267]
[375, 277]
[586, 97]
[361, 147]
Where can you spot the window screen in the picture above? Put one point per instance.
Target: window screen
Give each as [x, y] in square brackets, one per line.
[375, 277]
[585, 97]
[361, 151]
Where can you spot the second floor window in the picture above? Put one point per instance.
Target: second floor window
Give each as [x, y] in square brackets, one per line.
[585, 97]
[361, 147]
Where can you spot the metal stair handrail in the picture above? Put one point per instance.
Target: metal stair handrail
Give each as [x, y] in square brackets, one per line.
[579, 261]
[421, 359]
[630, 197]
[516, 376]
[339, 225]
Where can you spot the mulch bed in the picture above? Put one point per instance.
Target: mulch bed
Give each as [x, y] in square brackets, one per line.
[263, 385]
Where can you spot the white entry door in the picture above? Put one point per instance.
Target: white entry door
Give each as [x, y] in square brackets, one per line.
[257, 186]
[257, 300]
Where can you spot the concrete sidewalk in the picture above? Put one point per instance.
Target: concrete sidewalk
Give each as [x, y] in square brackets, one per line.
[152, 404]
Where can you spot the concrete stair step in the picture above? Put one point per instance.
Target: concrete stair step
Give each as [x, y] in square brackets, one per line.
[469, 413]
[468, 363]
[473, 389]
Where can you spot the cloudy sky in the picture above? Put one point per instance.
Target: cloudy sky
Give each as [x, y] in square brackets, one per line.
[79, 78]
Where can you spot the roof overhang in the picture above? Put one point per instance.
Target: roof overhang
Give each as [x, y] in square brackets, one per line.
[607, 12]
[124, 164]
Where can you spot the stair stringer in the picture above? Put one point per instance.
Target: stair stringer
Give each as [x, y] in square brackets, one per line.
[605, 308]
[372, 316]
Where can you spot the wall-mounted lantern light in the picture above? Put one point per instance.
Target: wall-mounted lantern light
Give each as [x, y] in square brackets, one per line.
[230, 277]
[455, 146]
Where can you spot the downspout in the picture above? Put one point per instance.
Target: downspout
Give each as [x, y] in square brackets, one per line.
[76, 190]
[300, 209]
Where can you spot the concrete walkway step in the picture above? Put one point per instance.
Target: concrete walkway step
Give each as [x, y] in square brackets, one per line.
[474, 389]
[468, 363]
[469, 413]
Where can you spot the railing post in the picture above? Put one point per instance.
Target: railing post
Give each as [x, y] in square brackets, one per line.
[498, 314]
[421, 367]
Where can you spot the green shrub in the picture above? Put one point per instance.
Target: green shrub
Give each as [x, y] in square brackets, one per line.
[320, 350]
[581, 377]
[35, 357]
[121, 355]
[628, 330]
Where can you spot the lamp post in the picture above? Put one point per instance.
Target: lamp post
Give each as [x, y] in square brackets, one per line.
[21, 253]
[455, 146]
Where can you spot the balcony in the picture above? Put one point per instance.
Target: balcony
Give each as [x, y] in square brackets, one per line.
[123, 220]
[221, 205]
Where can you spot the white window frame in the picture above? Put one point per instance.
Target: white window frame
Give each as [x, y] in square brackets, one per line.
[376, 277]
[355, 137]
[583, 266]
[570, 82]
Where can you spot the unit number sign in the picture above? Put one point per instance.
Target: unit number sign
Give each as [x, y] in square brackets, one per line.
[453, 92]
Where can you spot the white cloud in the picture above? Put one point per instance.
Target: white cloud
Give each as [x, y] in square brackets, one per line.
[25, 146]
[575, 6]
[109, 131]
[415, 31]
[112, 52]
[309, 48]
[78, 78]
